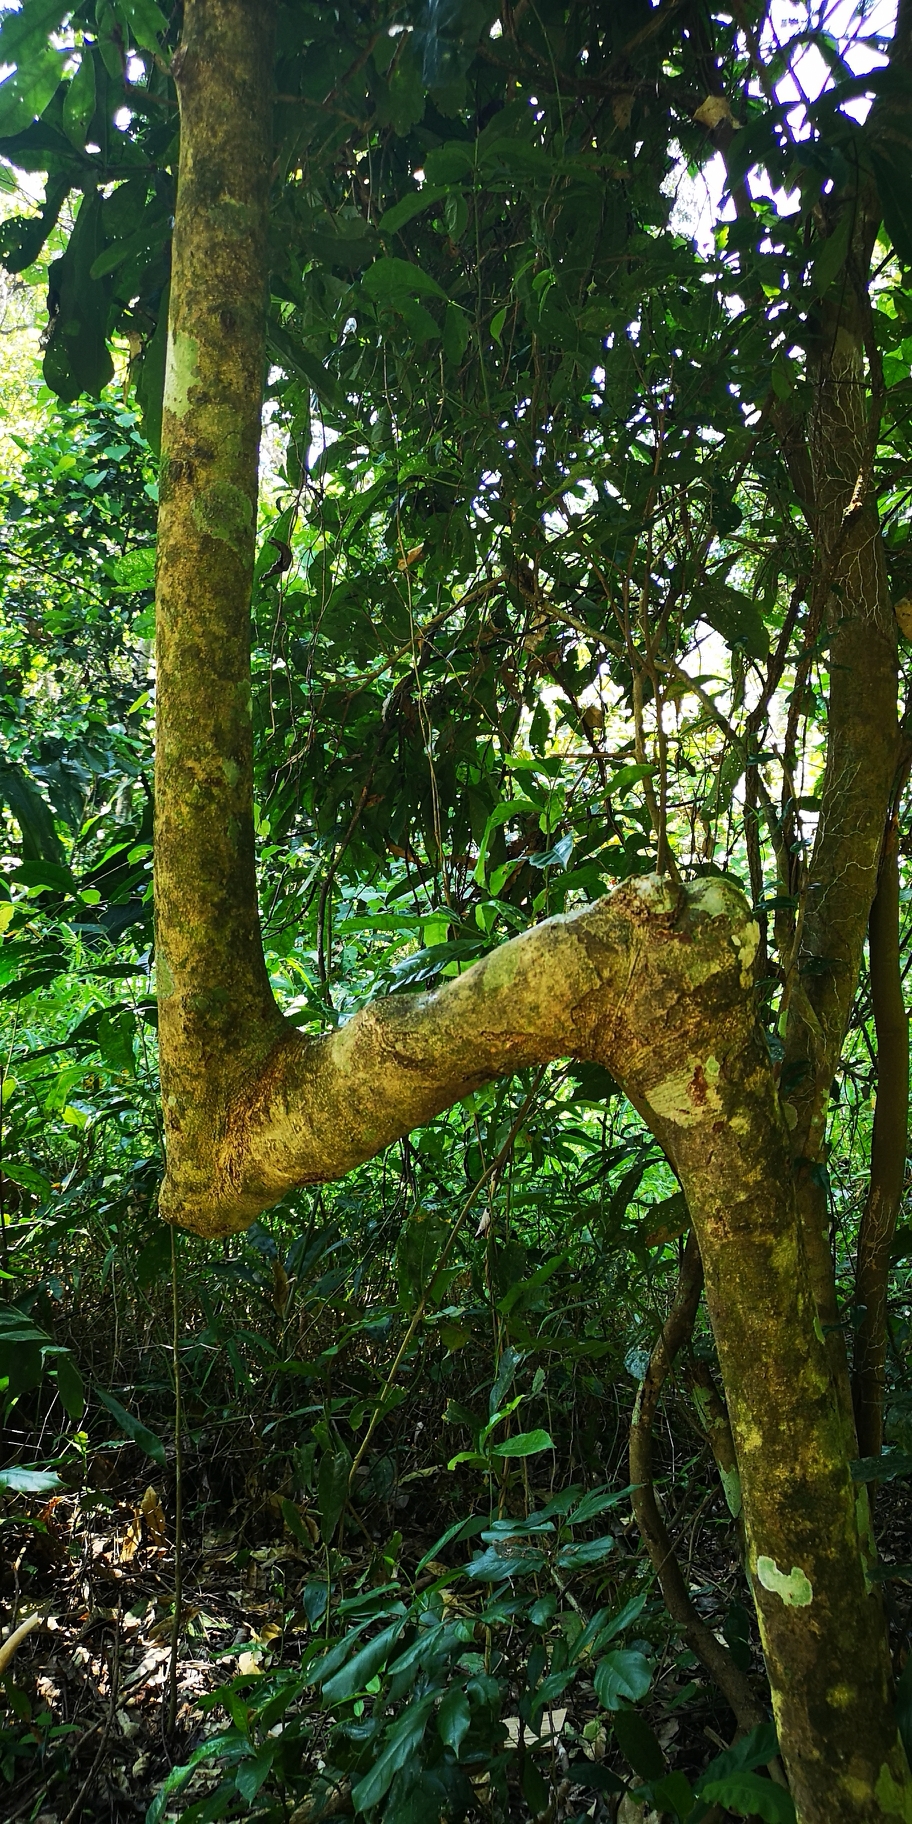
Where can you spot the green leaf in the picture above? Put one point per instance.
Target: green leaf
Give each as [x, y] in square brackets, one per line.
[753, 1750]
[749, 1796]
[133, 1428]
[147, 24]
[30, 1180]
[737, 617]
[332, 1488]
[588, 1551]
[525, 1444]
[18, 1481]
[627, 776]
[46, 874]
[391, 281]
[410, 206]
[597, 1502]
[40, 841]
[79, 101]
[892, 175]
[359, 1670]
[69, 1386]
[252, 1772]
[298, 360]
[26, 93]
[829, 262]
[77, 359]
[639, 1744]
[885, 1468]
[674, 1793]
[453, 1718]
[26, 31]
[150, 377]
[595, 1776]
[621, 1675]
[456, 333]
[402, 1742]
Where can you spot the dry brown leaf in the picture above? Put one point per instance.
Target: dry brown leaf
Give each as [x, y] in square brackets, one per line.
[154, 1516]
[132, 1539]
[713, 111]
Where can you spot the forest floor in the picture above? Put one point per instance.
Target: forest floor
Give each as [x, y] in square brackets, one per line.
[84, 1739]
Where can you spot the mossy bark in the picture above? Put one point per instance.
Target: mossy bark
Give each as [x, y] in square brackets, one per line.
[217, 1017]
[655, 982]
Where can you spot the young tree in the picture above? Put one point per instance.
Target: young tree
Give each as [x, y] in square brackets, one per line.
[658, 981]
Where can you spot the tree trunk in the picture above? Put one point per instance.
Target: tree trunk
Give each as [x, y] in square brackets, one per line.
[888, 1152]
[655, 982]
[217, 1017]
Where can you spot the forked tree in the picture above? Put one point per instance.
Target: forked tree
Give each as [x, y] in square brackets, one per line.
[658, 981]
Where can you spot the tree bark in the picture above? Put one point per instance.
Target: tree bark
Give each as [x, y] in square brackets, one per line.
[862, 751]
[217, 1016]
[888, 1152]
[655, 982]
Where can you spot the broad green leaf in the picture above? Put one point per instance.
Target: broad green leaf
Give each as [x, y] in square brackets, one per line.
[622, 1676]
[460, 1529]
[674, 1793]
[749, 1796]
[332, 1488]
[251, 1773]
[456, 332]
[146, 22]
[26, 93]
[753, 1750]
[638, 1744]
[133, 1428]
[595, 1776]
[79, 101]
[588, 1551]
[410, 206]
[359, 1670]
[737, 617]
[26, 1175]
[69, 1386]
[401, 1742]
[18, 1481]
[391, 280]
[25, 31]
[45, 874]
[453, 1718]
[40, 841]
[892, 174]
[77, 359]
[525, 1444]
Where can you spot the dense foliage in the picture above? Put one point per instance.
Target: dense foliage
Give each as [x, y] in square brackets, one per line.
[535, 611]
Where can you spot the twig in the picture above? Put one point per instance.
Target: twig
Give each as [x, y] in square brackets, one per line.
[178, 1495]
[76, 1806]
[478, 1186]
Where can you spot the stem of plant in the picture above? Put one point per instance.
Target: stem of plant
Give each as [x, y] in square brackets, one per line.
[178, 1494]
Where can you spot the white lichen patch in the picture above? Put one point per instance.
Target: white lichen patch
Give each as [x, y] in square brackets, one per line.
[689, 1095]
[181, 372]
[746, 941]
[710, 897]
[792, 1586]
